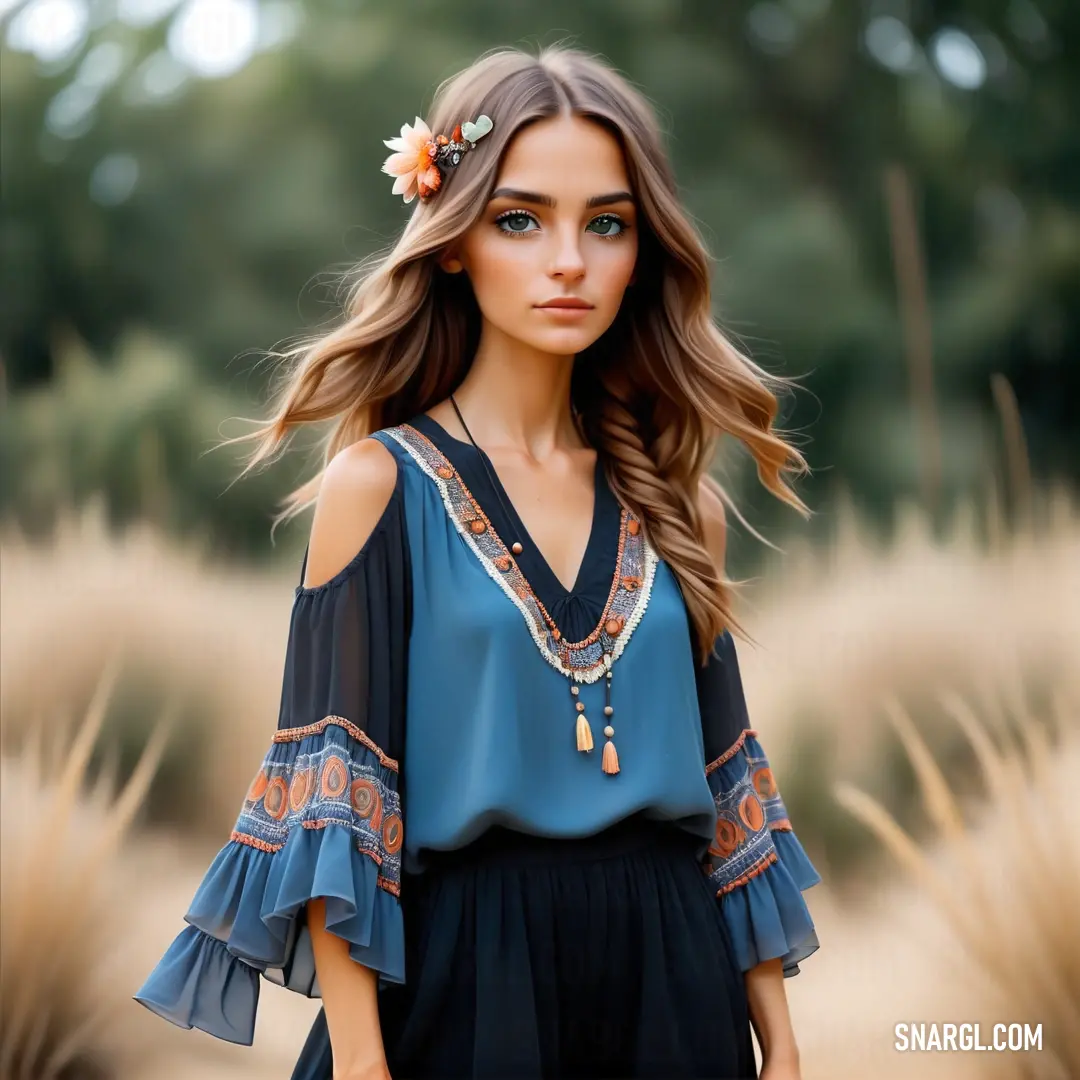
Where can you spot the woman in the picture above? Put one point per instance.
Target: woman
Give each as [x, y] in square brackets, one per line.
[514, 821]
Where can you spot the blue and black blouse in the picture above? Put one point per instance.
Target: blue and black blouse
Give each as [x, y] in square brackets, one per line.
[432, 689]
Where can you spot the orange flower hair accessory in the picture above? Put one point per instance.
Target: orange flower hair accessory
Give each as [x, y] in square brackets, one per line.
[420, 159]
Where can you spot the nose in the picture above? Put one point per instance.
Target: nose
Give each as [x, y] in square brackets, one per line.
[568, 261]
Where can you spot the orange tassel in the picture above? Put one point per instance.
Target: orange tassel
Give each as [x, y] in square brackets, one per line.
[584, 733]
[611, 758]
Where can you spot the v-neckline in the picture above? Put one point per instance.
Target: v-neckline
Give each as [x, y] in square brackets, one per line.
[555, 587]
[584, 656]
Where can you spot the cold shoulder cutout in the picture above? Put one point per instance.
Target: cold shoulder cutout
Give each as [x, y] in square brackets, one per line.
[323, 815]
[393, 507]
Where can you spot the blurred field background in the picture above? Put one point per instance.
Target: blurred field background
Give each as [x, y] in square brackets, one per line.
[889, 188]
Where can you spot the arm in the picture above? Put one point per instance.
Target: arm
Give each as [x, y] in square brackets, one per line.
[765, 992]
[356, 487]
[771, 1018]
[303, 834]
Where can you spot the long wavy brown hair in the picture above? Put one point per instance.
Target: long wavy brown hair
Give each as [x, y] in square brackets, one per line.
[653, 394]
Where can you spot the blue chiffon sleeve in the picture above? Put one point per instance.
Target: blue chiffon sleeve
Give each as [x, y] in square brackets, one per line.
[756, 863]
[323, 815]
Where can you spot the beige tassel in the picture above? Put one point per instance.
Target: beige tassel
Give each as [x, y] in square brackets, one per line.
[611, 758]
[584, 733]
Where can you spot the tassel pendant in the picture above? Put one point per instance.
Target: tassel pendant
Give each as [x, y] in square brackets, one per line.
[584, 733]
[610, 763]
[611, 758]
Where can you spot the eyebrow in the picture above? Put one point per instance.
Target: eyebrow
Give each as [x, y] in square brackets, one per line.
[547, 200]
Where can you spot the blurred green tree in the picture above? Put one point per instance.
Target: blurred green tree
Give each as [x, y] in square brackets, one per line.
[216, 211]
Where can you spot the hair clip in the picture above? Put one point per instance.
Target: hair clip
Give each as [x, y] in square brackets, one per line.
[420, 160]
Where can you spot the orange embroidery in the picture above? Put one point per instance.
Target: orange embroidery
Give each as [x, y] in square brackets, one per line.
[258, 786]
[751, 812]
[731, 751]
[728, 837]
[392, 834]
[295, 734]
[276, 799]
[255, 842]
[335, 778]
[364, 797]
[764, 782]
[300, 789]
[760, 866]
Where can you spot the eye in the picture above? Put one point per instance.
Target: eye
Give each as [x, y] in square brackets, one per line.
[515, 222]
[610, 225]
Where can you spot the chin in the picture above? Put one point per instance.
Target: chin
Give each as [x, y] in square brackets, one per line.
[564, 342]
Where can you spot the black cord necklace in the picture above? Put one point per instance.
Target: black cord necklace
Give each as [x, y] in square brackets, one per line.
[515, 547]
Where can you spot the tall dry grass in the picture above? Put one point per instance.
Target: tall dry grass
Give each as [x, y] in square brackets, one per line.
[59, 936]
[210, 639]
[88, 905]
[1004, 876]
[975, 607]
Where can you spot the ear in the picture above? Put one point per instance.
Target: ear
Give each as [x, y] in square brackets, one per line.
[449, 262]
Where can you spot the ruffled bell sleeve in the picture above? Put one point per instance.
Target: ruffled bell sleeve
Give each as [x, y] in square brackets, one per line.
[323, 814]
[756, 863]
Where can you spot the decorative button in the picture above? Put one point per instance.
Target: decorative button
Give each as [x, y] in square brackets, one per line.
[613, 626]
[630, 583]
[445, 471]
[502, 562]
[515, 547]
[633, 526]
[477, 525]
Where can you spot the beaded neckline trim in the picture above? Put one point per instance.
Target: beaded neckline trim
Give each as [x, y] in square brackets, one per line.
[587, 660]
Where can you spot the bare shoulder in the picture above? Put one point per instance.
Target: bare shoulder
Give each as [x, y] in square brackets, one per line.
[714, 522]
[356, 489]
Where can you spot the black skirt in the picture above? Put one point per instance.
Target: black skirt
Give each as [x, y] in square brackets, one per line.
[533, 957]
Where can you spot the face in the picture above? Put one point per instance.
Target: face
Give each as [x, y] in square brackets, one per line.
[561, 226]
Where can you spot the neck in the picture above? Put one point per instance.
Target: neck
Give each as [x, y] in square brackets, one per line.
[517, 398]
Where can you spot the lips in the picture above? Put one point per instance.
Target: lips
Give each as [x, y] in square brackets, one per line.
[566, 302]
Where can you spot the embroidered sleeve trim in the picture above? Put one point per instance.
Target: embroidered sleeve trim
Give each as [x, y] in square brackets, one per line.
[747, 814]
[329, 786]
[294, 734]
[587, 660]
[759, 867]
